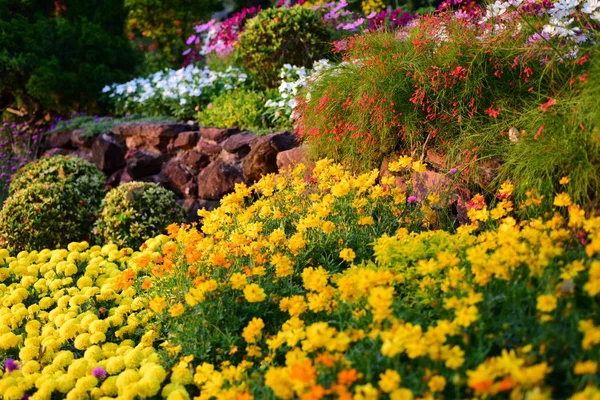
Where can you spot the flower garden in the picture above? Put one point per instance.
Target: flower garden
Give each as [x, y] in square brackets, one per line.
[440, 238]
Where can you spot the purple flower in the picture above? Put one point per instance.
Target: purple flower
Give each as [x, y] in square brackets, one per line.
[412, 199]
[452, 171]
[99, 373]
[10, 365]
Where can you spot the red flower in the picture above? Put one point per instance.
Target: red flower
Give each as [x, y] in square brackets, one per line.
[493, 113]
[546, 106]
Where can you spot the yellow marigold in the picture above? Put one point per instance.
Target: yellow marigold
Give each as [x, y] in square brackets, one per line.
[254, 293]
[585, 368]
[437, 383]
[253, 330]
[328, 227]
[564, 180]
[389, 381]
[315, 279]
[238, 281]
[366, 221]
[157, 304]
[347, 254]
[176, 310]
[546, 303]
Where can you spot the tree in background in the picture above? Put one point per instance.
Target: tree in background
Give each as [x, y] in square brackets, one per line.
[55, 57]
[160, 27]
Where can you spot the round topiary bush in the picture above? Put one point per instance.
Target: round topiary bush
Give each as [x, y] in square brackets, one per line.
[278, 36]
[83, 176]
[135, 212]
[45, 216]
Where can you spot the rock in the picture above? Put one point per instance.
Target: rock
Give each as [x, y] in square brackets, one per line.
[239, 143]
[194, 160]
[293, 157]
[211, 149]
[208, 205]
[79, 140]
[142, 163]
[283, 141]
[191, 207]
[114, 179]
[59, 139]
[218, 179]
[428, 181]
[186, 140]
[125, 178]
[57, 151]
[177, 178]
[435, 159]
[217, 135]
[261, 160]
[151, 129]
[83, 153]
[108, 152]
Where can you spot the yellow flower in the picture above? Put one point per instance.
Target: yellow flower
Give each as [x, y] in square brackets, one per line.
[546, 303]
[158, 304]
[254, 293]
[389, 381]
[585, 368]
[437, 383]
[252, 332]
[328, 227]
[419, 166]
[562, 200]
[564, 180]
[347, 255]
[176, 310]
[366, 221]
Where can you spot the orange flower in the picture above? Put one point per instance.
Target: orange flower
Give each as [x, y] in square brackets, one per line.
[315, 393]
[482, 386]
[347, 376]
[304, 372]
[172, 230]
[146, 284]
[243, 396]
[506, 384]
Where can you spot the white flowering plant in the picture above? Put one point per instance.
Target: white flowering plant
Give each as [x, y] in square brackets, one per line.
[280, 108]
[173, 92]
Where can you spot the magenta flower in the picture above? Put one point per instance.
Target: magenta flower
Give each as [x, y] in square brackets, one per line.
[99, 373]
[10, 365]
[412, 199]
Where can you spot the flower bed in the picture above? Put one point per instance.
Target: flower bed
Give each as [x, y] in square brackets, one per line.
[305, 285]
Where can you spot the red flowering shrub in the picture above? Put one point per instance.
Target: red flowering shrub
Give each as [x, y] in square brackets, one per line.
[446, 83]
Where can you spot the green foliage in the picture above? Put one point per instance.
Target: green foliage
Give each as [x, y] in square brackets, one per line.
[136, 211]
[160, 27]
[93, 126]
[58, 58]
[277, 36]
[79, 175]
[45, 215]
[460, 96]
[240, 108]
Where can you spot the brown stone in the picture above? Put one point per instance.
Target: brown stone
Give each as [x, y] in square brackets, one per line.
[125, 177]
[79, 140]
[210, 149]
[59, 139]
[108, 152]
[218, 179]
[58, 151]
[282, 141]
[114, 179]
[428, 181]
[436, 159]
[186, 140]
[261, 160]
[194, 160]
[151, 129]
[142, 163]
[84, 153]
[217, 134]
[239, 143]
[177, 178]
[290, 158]
[158, 145]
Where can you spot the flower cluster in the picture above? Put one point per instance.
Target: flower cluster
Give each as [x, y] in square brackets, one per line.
[293, 79]
[173, 92]
[310, 286]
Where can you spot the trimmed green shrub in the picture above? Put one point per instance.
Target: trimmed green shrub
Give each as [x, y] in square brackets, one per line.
[57, 56]
[45, 215]
[80, 175]
[135, 212]
[240, 108]
[278, 36]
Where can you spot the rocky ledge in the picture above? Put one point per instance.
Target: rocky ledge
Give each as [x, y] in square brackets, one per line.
[200, 164]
